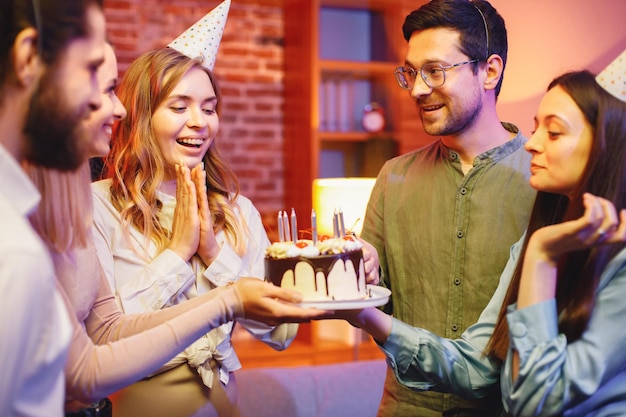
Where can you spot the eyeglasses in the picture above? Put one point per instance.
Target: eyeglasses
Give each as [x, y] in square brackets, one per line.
[433, 74]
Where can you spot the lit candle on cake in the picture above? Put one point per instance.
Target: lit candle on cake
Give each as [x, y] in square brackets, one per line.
[285, 221]
[342, 226]
[281, 231]
[313, 226]
[335, 224]
[294, 225]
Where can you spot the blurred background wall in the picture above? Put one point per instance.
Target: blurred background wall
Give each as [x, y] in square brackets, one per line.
[546, 37]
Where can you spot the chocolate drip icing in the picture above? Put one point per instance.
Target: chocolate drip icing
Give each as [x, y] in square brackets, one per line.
[276, 268]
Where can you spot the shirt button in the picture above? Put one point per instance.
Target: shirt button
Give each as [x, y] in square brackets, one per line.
[463, 191]
[455, 327]
[518, 329]
[459, 233]
[457, 281]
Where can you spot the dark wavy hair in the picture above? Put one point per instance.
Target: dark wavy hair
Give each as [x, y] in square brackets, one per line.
[57, 23]
[466, 17]
[604, 176]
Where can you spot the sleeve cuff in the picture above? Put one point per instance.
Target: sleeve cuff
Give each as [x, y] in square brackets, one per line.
[171, 263]
[396, 346]
[225, 267]
[531, 326]
[233, 300]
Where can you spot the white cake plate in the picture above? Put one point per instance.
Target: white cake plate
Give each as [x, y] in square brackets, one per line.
[378, 296]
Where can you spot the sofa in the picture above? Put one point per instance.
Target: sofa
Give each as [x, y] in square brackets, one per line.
[349, 389]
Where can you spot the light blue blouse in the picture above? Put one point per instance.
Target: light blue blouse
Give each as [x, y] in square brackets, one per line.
[583, 378]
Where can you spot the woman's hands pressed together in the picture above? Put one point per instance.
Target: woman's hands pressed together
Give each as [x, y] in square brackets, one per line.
[192, 226]
[185, 236]
[208, 248]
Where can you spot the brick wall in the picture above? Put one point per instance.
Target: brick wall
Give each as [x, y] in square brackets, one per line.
[249, 69]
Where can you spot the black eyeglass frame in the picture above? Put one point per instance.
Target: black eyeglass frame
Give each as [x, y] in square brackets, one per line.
[400, 72]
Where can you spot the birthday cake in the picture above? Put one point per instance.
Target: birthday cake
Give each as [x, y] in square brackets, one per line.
[331, 269]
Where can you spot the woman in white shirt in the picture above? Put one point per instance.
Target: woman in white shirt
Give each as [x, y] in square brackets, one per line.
[171, 225]
[110, 350]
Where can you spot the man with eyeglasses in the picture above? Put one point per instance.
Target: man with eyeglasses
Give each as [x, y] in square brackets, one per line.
[444, 217]
[49, 53]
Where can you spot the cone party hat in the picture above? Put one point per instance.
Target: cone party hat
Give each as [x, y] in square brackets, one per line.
[203, 38]
[613, 77]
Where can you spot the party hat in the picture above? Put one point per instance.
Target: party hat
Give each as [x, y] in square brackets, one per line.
[613, 77]
[203, 38]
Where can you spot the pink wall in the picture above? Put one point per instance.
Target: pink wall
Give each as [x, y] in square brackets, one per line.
[548, 37]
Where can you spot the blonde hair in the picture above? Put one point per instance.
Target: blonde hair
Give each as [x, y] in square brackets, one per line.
[136, 165]
[64, 216]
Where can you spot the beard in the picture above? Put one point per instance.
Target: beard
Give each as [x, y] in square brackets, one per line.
[458, 120]
[54, 137]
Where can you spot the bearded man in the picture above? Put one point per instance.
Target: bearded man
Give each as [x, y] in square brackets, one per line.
[49, 53]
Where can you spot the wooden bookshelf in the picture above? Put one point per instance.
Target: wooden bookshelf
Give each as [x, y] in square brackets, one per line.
[307, 68]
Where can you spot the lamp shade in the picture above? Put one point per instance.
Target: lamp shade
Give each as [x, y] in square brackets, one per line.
[350, 195]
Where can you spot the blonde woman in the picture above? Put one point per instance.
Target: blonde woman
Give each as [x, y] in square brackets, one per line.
[129, 347]
[161, 244]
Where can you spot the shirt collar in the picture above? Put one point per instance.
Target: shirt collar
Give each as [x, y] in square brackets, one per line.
[16, 186]
[494, 154]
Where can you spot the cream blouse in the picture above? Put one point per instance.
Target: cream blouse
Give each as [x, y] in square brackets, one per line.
[158, 280]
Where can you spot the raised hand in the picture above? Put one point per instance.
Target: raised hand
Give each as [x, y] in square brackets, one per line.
[370, 258]
[273, 305]
[599, 225]
[208, 248]
[186, 223]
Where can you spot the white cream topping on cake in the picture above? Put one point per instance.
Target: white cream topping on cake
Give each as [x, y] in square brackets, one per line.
[331, 269]
[307, 249]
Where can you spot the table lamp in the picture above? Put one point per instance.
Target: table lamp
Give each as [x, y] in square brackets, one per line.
[348, 195]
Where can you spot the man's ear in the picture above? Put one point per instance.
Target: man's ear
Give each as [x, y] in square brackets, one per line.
[26, 60]
[494, 67]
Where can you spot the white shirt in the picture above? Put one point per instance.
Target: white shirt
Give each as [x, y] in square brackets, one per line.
[34, 323]
[164, 279]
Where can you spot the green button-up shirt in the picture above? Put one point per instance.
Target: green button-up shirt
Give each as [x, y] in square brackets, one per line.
[443, 239]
